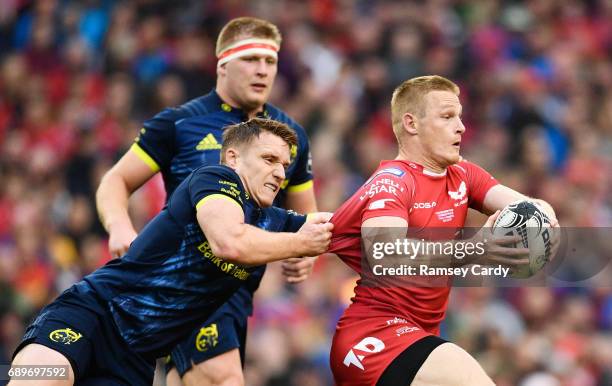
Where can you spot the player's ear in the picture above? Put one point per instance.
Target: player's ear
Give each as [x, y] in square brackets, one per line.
[409, 123]
[231, 157]
[221, 70]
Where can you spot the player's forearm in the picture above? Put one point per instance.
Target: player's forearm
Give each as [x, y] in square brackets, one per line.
[112, 201]
[252, 246]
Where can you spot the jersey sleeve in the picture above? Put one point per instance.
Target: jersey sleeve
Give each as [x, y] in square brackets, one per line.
[479, 183]
[155, 143]
[387, 195]
[215, 182]
[280, 220]
[302, 177]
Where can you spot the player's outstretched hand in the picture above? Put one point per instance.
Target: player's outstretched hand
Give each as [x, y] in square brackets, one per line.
[119, 239]
[315, 237]
[500, 249]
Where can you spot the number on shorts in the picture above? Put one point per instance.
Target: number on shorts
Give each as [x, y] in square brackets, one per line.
[368, 345]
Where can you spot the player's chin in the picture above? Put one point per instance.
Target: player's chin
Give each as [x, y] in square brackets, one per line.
[257, 98]
[453, 158]
[266, 199]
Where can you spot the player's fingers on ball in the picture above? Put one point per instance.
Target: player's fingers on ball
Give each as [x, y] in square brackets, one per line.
[515, 252]
[506, 240]
[493, 217]
[510, 262]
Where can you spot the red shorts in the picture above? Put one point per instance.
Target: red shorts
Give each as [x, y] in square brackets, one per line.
[365, 345]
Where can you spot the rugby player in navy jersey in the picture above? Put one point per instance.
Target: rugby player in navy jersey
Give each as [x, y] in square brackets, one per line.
[110, 327]
[178, 140]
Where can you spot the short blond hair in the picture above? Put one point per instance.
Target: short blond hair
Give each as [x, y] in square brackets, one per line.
[409, 97]
[246, 27]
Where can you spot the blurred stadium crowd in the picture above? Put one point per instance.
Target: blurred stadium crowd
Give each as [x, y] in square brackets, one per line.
[78, 77]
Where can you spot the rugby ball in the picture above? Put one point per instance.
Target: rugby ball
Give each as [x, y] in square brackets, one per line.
[528, 220]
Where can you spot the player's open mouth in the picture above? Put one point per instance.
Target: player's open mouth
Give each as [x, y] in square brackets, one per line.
[272, 187]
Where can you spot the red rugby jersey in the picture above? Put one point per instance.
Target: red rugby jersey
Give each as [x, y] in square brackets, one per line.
[426, 200]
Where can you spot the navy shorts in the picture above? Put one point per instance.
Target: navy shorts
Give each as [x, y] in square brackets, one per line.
[85, 334]
[222, 332]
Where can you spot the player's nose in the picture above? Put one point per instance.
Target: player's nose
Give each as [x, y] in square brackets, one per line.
[278, 173]
[262, 67]
[460, 127]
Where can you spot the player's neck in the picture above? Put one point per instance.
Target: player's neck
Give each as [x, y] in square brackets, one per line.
[250, 112]
[420, 159]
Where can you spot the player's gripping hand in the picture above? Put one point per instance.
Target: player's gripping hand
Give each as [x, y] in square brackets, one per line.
[500, 249]
[296, 269]
[315, 237]
[120, 236]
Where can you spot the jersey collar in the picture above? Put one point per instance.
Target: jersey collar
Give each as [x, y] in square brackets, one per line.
[215, 103]
[417, 167]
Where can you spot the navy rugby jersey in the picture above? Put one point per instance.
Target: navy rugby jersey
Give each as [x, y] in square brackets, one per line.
[178, 140]
[169, 281]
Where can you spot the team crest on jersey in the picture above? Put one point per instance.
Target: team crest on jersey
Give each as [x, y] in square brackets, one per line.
[460, 193]
[209, 143]
[65, 336]
[207, 338]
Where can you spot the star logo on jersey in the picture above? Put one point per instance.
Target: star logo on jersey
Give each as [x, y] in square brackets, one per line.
[209, 143]
[460, 193]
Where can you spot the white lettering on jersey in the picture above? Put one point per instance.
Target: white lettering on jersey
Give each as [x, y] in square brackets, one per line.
[368, 345]
[460, 193]
[379, 204]
[445, 215]
[424, 205]
[384, 185]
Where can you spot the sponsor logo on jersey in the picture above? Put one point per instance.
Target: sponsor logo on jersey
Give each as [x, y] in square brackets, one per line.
[396, 320]
[424, 205]
[368, 345]
[445, 215]
[460, 193]
[207, 338]
[383, 185]
[235, 270]
[209, 143]
[379, 204]
[405, 330]
[230, 188]
[394, 171]
[65, 336]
